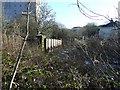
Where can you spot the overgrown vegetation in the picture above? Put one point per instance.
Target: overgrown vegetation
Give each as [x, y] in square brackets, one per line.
[77, 64]
[71, 66]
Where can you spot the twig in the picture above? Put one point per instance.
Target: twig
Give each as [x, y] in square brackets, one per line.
[86, 14]
[19, 35]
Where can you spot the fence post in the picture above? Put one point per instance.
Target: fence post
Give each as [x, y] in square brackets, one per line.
[45, 45]
[39, 37]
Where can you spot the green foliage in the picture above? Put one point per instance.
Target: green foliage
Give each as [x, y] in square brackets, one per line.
[90, 30]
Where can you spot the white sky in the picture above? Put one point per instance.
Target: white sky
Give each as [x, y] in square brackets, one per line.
[68, 14]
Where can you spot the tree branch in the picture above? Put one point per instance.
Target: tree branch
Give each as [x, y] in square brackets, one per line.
[21, 49]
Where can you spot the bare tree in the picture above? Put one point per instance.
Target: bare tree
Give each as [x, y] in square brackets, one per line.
[47, 17]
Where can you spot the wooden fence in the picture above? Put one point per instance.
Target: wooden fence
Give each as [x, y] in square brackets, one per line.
[52, 43]
[48, 44]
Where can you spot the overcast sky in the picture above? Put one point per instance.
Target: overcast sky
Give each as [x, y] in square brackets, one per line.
[68, 14]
